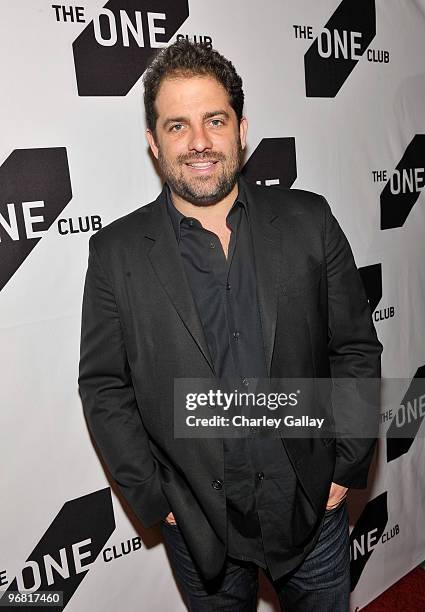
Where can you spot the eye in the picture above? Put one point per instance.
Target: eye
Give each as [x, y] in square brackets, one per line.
[216, 122]
[177, 127]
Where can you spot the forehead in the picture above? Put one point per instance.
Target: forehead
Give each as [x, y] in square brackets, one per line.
[190, 94]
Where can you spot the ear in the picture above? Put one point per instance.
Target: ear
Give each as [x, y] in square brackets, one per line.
[243, 129]
[151, 140]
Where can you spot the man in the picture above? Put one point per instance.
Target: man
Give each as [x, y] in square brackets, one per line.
[221, 279]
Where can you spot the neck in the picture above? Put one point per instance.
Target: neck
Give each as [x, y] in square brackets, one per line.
[216, 212]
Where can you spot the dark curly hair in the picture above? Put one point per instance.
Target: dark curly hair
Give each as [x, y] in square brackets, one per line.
[185, 58]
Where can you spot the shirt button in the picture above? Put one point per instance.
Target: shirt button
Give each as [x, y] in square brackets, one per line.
[236, 335]
[191, 222]
[212, 245]
[228, 286]
[260, 475]
[245, 381]
[217, 484]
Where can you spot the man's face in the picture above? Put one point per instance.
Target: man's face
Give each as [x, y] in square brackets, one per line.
[198, 142]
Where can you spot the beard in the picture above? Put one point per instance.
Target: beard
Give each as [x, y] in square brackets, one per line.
[202, 190]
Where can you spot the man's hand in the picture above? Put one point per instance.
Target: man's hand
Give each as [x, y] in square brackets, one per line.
[170, 519]
[336, 494]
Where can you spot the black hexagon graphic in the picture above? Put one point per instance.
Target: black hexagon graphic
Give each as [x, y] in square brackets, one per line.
[405, 425]
[372, 281]
[90, 517]
[403, 188]
[324, 76]
[29, 176]
[272, 163]
[113, 51]
[373, 520]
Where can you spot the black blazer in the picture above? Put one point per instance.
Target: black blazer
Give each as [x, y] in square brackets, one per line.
[140, 330]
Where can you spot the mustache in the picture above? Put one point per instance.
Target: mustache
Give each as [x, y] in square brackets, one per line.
[184, 159]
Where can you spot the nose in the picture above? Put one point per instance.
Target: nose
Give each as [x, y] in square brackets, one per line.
[199, 139]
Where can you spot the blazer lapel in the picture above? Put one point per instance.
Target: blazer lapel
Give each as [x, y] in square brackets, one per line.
[165, 258]
[267, 253]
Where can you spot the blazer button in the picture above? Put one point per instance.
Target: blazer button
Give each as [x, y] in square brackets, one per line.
[217, 484]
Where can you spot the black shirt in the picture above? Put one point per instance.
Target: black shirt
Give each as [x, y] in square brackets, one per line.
[262, 490]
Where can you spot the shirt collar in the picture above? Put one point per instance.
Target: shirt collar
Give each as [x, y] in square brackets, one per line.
[177, 217]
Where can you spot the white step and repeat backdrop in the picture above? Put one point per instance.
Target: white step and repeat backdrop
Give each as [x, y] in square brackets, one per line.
[335, 97]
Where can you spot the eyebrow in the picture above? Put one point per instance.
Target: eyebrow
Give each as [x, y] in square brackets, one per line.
[207, 115]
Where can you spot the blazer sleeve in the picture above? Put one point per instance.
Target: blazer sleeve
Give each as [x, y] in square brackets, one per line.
[355, 360]
[109, 401]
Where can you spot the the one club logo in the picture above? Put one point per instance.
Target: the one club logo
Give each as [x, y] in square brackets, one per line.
[408, 418]
[35, 187]
[113, 51]
[336, 50]
[272, 163]
[404, 187]
[366, 534]
[70, 545]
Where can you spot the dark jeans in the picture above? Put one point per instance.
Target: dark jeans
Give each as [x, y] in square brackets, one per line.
[321, 583]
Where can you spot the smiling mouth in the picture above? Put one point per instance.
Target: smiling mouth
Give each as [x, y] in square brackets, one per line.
[201, 165]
